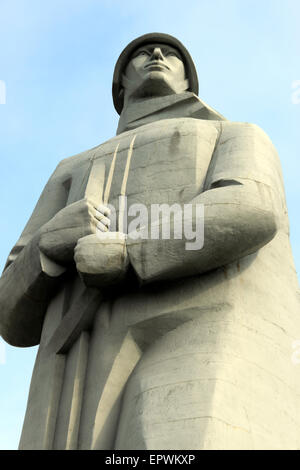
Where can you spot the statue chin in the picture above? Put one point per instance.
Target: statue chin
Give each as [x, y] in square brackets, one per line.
[157, 84]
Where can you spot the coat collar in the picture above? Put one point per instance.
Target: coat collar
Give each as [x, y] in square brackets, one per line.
[185, 104]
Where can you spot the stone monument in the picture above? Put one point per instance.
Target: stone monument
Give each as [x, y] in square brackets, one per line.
[147, 342]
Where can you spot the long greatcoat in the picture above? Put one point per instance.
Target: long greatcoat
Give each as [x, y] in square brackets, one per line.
[198, 353]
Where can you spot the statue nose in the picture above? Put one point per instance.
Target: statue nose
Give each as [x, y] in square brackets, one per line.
[157, 54]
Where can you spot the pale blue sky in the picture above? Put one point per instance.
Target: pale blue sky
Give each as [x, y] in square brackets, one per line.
[57, 60]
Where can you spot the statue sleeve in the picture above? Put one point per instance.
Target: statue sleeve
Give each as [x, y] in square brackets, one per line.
[29, 277]
[239, 211]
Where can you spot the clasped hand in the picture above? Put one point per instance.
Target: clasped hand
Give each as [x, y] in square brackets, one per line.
[80, 231]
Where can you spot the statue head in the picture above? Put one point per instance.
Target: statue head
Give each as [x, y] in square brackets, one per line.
[154, 64]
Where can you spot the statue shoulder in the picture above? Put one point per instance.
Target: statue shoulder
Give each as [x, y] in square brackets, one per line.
[244, 130]
[245, 151]
[69, 164]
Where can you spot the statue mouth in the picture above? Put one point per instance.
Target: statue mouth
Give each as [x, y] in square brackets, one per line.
[156, 65]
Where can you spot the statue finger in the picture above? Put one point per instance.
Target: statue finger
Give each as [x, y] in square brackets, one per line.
[102, 218]
[103, 209]
[101, 226]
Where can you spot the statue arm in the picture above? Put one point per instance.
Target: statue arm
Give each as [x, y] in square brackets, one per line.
[29, 277]
[242, 204]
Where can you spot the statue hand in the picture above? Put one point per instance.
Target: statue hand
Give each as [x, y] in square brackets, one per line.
[59, 236]
[102, 258]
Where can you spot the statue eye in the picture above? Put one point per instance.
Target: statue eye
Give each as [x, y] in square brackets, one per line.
[142, 53]
[171, 53]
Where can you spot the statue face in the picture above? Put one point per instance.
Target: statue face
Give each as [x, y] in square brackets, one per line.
[154, 70]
